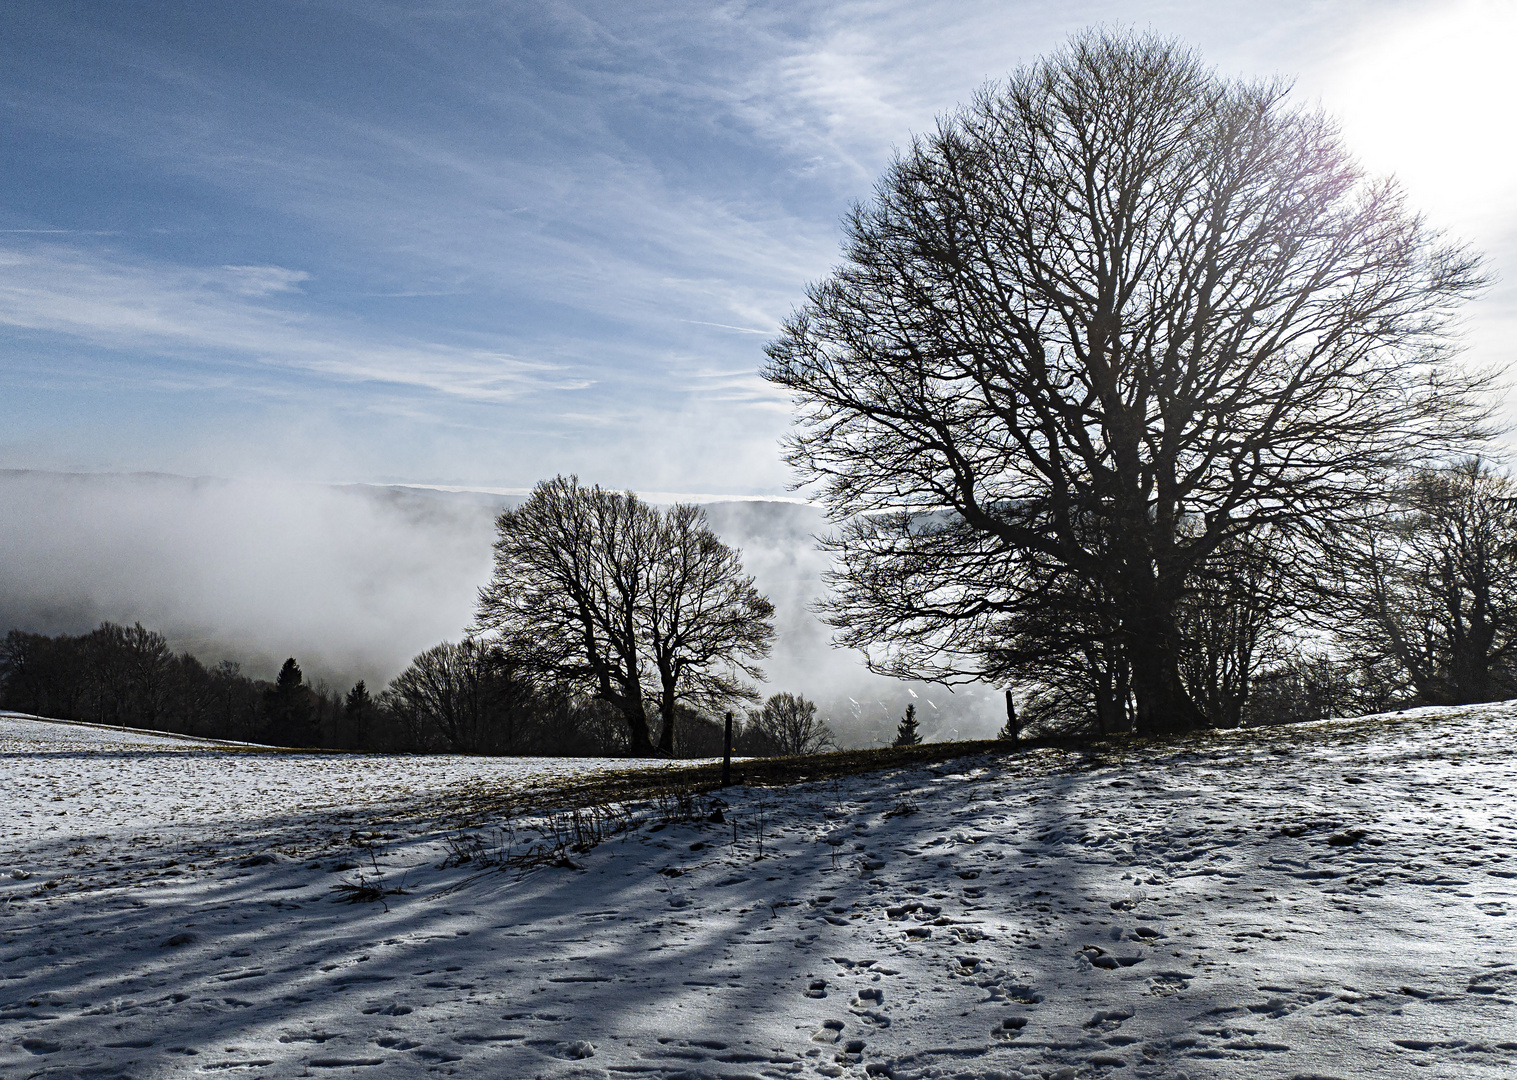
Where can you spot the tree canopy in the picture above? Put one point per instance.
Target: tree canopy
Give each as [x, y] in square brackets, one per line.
[1104, 324]
[634, 604]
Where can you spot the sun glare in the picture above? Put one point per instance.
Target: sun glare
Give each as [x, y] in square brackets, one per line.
[1432, 99]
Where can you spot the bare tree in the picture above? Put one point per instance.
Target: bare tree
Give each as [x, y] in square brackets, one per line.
[596, 589]
[128, 670]
[706, 624]
[463, 691]
[1430, 583]
[789, 720]
[1062, 643]
[1233, 621]
[571, 569]
[1115, 288]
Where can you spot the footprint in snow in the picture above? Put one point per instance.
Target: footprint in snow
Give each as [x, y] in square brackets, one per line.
[396, 1042]
[1164, 983]
[1109, 1019]
[431, 1053]
[1009, 1028]
[830, 1032]
[870, 996]
[1022, 995]
[1099, 957]
[392, 1009]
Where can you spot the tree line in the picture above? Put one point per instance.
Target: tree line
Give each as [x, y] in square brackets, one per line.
[463, 697]
[1417, 604]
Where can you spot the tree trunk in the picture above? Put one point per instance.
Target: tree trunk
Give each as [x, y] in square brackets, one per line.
[666, 709]
[639, 743]
[1108, 675]
[1162, 704]
[1469, 676]
[1111, 713]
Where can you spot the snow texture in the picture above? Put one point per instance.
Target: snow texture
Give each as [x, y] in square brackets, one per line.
[1332, 900]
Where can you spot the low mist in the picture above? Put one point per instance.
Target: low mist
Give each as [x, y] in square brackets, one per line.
[354, 580]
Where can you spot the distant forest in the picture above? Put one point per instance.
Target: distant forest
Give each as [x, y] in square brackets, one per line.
[454, 698]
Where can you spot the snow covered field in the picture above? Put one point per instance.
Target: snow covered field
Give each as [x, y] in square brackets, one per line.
[1238, 907]
[81, 782]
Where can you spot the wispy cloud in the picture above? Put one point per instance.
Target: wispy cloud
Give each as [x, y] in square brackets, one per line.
[263, 280]
[215, 313]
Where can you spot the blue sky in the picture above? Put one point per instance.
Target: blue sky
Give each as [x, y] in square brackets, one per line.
[476, 244]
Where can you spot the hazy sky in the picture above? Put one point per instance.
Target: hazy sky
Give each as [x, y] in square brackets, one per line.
[478, 243]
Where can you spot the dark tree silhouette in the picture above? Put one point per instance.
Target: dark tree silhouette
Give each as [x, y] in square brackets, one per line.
[127, 675]
[467, 692]
[289, 708]
[572, 566]
[906, 733]
[1232, 620]
[1011, 731]
[456, 697]
[357, 717]
[705, 623]
[789, 723]
[1110, 317]
[1429, 583]
[598, 590]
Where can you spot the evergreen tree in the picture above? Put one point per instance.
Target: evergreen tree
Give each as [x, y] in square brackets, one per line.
[357, 710]
[290, 678]
[906, 734]
[289, 709]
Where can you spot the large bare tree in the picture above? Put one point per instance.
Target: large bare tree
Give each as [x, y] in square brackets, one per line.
[1111, 316]
[571, 572]
[638, 606]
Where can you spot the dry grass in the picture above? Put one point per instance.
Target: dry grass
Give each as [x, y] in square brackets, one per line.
[681, 783]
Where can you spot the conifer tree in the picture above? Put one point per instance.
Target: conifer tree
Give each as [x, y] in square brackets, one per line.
[289, 709]
[357, 709]
[906, 733]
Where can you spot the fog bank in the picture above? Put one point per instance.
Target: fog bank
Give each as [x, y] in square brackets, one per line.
[354, 580]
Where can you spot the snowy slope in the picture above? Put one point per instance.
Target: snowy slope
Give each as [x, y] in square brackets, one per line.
[1237, 907]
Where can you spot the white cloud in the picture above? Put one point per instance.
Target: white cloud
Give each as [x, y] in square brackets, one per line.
[620, 199]
[197, 313]
[263, 280]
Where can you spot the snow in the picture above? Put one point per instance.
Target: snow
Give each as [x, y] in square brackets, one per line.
[112, 783]
[1330, 900]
